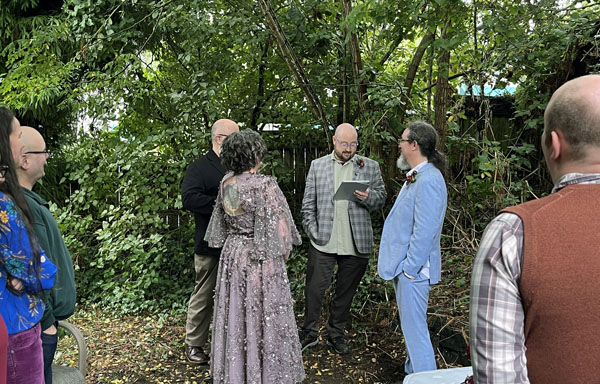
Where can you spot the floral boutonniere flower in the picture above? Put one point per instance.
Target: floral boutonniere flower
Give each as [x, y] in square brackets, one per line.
[360, 162]
[412, 177]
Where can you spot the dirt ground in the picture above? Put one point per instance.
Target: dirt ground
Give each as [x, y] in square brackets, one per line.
[150, 348]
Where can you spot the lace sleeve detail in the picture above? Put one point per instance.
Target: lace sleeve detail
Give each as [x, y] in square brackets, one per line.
[216, 232]
[274, 228]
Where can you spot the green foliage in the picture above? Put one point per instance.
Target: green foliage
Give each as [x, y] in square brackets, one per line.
[121, 220]
[496, 177]
[162, 71]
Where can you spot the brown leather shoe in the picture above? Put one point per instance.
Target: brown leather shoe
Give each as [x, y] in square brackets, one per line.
[196, 355]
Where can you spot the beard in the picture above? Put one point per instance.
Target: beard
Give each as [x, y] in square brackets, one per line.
[343, 155]
[402, 163]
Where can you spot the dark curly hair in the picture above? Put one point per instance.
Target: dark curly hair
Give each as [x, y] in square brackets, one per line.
[242, 150]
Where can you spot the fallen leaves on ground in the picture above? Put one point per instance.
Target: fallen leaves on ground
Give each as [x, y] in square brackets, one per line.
[150, 348]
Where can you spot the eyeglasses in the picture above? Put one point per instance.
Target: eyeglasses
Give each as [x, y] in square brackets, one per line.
[45, 152]
[400, 141]
[345, 145]
[3, 169]
[222, 135]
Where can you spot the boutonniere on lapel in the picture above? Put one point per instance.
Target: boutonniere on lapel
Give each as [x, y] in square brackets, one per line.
[360, 162]
[412, 177]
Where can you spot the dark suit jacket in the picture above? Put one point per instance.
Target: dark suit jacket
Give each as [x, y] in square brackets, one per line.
[198, 194]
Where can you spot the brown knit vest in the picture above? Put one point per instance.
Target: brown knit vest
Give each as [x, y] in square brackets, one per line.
[560, 285]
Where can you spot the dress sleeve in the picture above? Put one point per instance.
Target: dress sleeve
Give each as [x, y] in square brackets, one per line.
[216, 233]
[274, 228]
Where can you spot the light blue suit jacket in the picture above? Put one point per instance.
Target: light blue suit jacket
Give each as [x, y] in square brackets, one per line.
[412, 229]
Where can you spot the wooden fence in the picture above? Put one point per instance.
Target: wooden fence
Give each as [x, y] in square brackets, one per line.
[290, 165]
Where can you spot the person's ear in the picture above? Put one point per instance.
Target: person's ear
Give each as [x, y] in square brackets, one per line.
[557, 144]
[24, 162]
[415, 145]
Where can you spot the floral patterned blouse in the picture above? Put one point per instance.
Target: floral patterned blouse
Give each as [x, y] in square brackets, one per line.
[21, 311]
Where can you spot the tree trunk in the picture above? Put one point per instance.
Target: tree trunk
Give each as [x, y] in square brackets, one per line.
[295, 66]
[412, 70]
[343, 115]
[441, 92]
[430, 81]
[357, 67]
[408, 85]
[260, 92]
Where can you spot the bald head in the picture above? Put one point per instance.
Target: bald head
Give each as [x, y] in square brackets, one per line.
[34, 157]
[32, 139]
[223, 127]
[345, 142]
[346, 129]
[574, 110]
[219, 132]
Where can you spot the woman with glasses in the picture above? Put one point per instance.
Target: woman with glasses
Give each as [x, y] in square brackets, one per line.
[25, 272]
[254, 329]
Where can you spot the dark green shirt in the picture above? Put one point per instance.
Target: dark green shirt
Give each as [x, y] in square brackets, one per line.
[60, 301]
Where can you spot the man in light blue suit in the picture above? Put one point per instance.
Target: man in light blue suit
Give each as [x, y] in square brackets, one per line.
[409, 253]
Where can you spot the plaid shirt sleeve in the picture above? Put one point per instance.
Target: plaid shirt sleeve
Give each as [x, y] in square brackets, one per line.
[496, 313]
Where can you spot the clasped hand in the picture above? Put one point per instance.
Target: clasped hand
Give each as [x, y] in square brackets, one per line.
[15, 284]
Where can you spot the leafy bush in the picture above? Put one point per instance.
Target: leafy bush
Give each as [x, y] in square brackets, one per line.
[120, 221]
[488, 175]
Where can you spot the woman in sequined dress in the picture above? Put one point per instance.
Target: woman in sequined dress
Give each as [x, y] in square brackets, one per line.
[254, 329]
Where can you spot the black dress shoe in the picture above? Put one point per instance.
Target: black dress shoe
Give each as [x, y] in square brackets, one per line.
[338, 345]
[196, 355]
[307, 339]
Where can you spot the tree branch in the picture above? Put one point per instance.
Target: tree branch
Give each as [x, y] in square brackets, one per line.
[295, 66]
[260, 92]
[413, 67]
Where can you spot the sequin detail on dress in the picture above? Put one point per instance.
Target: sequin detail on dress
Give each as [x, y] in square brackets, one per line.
[255, 338]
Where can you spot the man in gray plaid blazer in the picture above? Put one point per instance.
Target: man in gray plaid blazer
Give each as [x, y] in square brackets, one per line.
[340, 232]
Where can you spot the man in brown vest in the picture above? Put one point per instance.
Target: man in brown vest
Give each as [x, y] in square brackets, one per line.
[535, 316]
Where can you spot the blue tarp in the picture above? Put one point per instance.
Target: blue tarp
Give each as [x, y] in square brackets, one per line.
[463, 90]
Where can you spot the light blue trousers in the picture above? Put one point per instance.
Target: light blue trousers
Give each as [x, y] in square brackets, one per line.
[412, 298]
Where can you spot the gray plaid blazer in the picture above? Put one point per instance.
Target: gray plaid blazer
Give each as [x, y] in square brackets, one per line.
[317, 204]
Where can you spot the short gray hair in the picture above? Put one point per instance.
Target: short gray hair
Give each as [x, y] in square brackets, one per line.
[576, 115]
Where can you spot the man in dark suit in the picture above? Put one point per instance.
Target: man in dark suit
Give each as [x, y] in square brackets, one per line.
[198, 192]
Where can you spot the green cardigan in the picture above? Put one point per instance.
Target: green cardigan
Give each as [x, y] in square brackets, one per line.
[60, 300]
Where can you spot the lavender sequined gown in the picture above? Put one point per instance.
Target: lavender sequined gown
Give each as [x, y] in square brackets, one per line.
[255, 339]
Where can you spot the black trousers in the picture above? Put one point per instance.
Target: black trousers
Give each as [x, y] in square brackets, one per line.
[319, 271]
